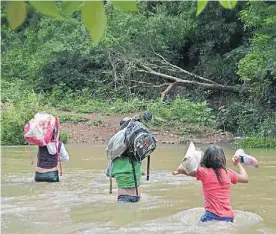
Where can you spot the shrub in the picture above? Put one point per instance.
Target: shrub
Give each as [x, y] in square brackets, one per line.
[64, 136]
[15, 115]
[259, 141]
[183, 111]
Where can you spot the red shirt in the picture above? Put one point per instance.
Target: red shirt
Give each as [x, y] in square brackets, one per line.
[216, 195]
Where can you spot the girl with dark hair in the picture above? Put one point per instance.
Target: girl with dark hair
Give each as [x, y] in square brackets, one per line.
[216, 183]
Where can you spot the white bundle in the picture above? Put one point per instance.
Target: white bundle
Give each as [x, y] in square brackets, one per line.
[192, 159]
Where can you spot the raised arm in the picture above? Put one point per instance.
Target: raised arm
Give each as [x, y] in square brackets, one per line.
[243, 177]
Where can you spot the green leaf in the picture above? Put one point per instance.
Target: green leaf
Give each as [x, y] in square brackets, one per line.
[48, 8]
[125, 5]
[228, 4]
[201, 4]
[16, 13]
[93, 16]
[70, 7]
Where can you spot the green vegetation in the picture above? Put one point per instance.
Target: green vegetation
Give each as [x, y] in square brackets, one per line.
[74, 118]
[181, 111]
[259, 141]
[93, 12]
[16, 114]
[229, 56]
[64, 136]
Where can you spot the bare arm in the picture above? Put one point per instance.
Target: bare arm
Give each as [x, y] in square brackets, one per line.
[243, 177]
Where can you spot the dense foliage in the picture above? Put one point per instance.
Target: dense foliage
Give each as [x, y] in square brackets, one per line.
[54, 59]
[16, 113]
[93, 12]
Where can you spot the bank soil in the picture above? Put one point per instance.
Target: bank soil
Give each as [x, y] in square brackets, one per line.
[99, 129]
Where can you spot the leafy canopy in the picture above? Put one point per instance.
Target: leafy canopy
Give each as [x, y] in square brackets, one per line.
[93, 13]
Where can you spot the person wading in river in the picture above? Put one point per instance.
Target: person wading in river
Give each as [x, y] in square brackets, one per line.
[43, 131]
[47, 161]
[127, 171]
[216, 183]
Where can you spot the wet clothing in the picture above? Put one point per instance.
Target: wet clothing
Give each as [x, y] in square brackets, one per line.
[209, 216]
[123, 173]
[128, 199]
[51, 176]
[47, 156]
[126, 170]
[216, 194]
[45, 159]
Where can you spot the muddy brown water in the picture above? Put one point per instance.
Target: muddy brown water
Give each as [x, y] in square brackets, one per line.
[81, 203]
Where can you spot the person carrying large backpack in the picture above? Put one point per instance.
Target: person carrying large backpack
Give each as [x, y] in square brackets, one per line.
[43, 131]
[126, 150]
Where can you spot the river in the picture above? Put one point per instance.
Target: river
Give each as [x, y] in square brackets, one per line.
[81, 202]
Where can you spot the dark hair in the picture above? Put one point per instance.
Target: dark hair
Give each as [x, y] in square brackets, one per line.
[214, 158]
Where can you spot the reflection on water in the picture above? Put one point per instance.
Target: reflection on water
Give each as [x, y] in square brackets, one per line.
[81, 202]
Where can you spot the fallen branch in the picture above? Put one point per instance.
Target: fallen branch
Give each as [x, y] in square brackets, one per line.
[172, 80]
[164, 93]
[190, 82]
[184, 71]
[150, 84]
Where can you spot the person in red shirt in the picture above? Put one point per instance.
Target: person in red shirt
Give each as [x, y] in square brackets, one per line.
[216, 183]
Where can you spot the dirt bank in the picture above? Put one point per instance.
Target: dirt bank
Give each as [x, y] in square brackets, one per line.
[99, 129]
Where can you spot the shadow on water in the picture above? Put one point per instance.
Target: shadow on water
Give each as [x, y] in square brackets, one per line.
[81, 202]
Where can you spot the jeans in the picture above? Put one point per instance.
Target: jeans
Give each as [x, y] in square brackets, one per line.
[51, 176]
[128, 199]
[209, 216]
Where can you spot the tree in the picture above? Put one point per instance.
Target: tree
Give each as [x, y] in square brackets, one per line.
[93, 12]
[258, 67]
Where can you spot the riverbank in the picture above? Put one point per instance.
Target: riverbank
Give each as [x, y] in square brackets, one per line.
[98, 129]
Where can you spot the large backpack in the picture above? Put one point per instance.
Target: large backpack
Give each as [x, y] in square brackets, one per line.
[139, 140]
[134, 137]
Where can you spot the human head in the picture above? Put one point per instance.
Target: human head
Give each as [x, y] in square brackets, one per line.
[214, 158]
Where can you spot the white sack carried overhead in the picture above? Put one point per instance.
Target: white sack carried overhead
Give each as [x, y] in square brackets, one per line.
[192, 159]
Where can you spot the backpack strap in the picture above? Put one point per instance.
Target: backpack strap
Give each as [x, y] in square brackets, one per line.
[56, 139]
[58, 156]
[134, 175]
[110, 176]
[148, 167]
[59, 146]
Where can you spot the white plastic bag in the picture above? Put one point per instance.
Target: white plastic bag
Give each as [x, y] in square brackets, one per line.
[192, 159]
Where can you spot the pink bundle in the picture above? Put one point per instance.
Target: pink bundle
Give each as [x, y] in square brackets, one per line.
[246, 159]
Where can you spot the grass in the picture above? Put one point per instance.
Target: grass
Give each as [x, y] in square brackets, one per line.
[74, 118]
[257, 142]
